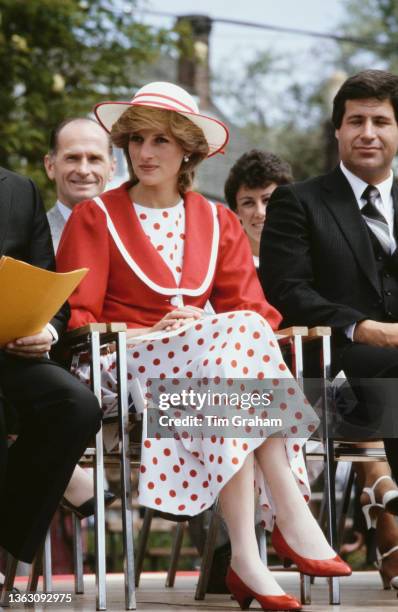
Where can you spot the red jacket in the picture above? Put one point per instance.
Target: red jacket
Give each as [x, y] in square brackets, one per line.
[112, 291]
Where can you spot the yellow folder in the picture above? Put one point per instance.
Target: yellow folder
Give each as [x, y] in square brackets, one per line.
[31, 296]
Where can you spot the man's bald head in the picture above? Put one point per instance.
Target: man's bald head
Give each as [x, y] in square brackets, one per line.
[55, 132]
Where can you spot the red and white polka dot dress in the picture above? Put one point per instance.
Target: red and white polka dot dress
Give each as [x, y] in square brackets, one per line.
[185, 475]
[166, 230]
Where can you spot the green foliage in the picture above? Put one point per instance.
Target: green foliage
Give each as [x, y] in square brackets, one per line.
[289, 124]
[57, 59]
[376, 21]
[289, 118]
[244, 91]
[303, 148]
[157, 556]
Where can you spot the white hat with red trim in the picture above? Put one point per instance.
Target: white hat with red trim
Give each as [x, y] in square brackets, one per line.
[170, 97]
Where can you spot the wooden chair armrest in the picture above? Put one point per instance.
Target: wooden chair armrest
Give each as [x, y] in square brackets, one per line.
[79, 332]
[116, 327]
[111, 331]
[290, 332]
[319, 331]
[79, 336]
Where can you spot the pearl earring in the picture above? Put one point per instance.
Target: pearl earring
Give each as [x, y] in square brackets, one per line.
[186, 158]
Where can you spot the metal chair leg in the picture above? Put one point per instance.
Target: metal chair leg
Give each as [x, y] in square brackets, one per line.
[298, 372]
[127, 513]
[345, 503]
[11, 570]
[322, 507]
[175, 554]
[262, 543]
[305, 589]
[100, 556]
[47, 564]
[208, 553]
[334, 591]
[334, 583]
[78, 555]
[143, 543]
[35, 571]
[297, 360]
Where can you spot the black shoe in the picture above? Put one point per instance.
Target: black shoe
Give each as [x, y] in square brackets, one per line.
[14, 589]
[88, 507]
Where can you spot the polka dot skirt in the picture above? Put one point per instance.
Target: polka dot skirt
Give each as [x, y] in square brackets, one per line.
[184, 475]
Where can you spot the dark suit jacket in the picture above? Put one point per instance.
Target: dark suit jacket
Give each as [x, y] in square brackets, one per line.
[317, 263]
[24, 230]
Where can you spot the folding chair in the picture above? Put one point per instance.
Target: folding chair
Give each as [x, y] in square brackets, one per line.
[333, 452]
[124, 456]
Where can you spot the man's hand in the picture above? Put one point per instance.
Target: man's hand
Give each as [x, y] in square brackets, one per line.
[31, 347]
[376, 333]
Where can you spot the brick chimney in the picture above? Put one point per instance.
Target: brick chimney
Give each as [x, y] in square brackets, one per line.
[193, 70]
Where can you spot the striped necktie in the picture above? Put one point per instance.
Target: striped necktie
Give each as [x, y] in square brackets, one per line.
[374, 218]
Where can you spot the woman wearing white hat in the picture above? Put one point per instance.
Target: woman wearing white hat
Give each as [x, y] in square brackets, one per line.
[157, 253]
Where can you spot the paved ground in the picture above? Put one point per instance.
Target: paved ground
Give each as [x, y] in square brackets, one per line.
[362, 591]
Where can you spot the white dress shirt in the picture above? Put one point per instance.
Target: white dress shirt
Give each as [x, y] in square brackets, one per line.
[384, 204]
[64, 210]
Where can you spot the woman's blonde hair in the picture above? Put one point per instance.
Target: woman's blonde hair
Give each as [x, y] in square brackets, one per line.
[188, 135]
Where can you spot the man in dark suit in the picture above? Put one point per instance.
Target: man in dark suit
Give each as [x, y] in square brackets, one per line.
[57, 415]
[328, 254]
[328, 251]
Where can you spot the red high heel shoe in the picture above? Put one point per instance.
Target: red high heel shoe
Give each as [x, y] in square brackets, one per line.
[244, 596]
[311, 567]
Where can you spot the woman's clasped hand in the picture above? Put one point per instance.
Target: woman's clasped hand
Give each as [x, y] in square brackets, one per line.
[178, 318]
